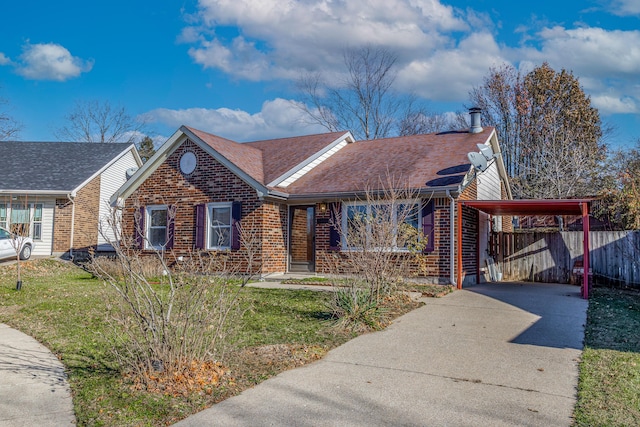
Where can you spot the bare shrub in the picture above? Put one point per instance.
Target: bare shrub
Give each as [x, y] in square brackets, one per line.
[171, 329]
[382, 238]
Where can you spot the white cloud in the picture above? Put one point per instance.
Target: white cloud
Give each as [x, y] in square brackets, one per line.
[590, 51]
[449, 74]
[4, 60]
[278, 118]
[50, 61]
[608, 104]
[606, 62]
[279, 39]
[625, 7]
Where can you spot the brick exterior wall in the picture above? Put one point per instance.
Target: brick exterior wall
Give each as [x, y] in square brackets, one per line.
[62, 225]
[85, 225]
[432, 267]
[85, 233]
[469, 244]
[262, 222]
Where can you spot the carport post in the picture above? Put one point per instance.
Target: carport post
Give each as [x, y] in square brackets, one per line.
[585, 230]
[459, 232]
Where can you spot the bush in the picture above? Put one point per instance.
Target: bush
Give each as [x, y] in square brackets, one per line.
[355, 308]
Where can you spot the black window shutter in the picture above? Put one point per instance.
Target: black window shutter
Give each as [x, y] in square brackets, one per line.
[428, 225]
[200, 231]
[236, 216]
[334, 226]
[139, 224]
[171, 220]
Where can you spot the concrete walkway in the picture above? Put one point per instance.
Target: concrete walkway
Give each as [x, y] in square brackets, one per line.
[498, 355]
[33, 385]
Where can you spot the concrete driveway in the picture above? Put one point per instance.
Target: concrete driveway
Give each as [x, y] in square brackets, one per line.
[490, 355]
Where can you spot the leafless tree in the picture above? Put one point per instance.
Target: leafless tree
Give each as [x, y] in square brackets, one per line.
[421, 122]
[96, 121]
[364, 101]
[20, 232]
[9, 127]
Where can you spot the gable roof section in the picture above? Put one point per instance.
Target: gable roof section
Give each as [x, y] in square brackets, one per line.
[430, 161]
[243, 156]
[283, 157]
[54, 167]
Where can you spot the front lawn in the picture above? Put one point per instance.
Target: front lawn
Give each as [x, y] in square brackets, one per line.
[63, 307]
[609, 385]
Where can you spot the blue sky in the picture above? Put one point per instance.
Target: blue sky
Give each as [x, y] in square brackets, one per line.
[229, 66]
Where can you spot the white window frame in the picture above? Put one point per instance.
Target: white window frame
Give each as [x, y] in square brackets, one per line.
[5, 221]
[210, 226]
[148, 226]
[345, 226]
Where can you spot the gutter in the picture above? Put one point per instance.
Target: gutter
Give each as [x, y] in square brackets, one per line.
[71, 198]
[351, 195]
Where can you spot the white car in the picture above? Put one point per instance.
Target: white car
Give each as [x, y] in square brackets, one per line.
[10, 242]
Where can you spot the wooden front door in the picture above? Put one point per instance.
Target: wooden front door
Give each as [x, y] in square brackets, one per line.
[301, 239]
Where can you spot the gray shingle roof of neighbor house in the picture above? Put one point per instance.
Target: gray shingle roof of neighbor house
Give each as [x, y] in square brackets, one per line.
[52, 166]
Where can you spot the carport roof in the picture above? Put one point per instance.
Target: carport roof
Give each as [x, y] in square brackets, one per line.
[529, 206]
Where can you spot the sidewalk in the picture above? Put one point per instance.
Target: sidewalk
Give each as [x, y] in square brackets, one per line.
[33, 386]
[498, 355]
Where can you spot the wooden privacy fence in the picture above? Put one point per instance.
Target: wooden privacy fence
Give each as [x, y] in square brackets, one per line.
[550, 256]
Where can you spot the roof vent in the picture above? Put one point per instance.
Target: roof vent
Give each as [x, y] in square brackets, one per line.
[475, 113]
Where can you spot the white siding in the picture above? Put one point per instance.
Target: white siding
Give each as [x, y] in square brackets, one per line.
[489, 183]
[110, 181]
[287, 182]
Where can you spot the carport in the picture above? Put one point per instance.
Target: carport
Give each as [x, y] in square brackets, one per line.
[531, 208]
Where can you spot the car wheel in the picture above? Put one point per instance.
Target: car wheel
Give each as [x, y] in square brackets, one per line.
[25, 253]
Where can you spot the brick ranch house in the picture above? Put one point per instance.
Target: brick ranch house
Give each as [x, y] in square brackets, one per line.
[191, 195]
[58, 192]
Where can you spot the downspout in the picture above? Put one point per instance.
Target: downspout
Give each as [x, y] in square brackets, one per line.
[452, 239]
[71, 198]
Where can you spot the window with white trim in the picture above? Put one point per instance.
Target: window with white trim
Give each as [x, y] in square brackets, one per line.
[22, 218]
[156, 231]
[380, 225]
[219, 225]
[3, 215]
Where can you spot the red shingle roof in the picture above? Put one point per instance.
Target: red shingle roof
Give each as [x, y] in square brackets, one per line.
[422, 161]
[247, 158]
[283, 154]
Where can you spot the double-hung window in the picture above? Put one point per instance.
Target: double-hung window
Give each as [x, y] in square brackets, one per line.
[156, 227]
[219, 223]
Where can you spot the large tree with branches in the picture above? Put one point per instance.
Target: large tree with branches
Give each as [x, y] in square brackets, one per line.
[96, 121]
[9, 127]
[552, 137]
[364, 100]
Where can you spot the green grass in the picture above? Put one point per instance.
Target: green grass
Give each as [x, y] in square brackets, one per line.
[609, 384]
[63, 307]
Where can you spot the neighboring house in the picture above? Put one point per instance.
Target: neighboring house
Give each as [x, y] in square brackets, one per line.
[58, 192]
[198, 187]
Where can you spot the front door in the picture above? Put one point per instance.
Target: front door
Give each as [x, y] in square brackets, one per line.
[301, 239]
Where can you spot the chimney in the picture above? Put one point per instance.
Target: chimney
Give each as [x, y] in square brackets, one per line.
[475, 113]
